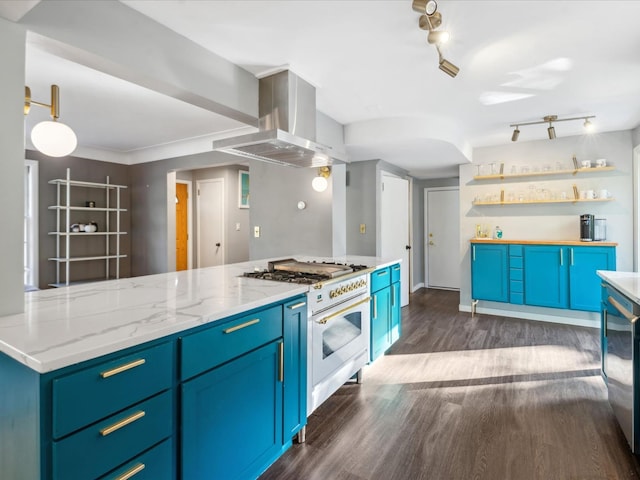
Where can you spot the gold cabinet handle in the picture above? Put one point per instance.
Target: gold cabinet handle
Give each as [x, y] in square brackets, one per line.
[242, 325]
[384, 272]
[122, 423]
[340, 312]
[281, 369]
[297, 305]
[375, 306]
[131, 472]
[123, 368]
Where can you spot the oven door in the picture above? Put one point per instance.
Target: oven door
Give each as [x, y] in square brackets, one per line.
[338, 335]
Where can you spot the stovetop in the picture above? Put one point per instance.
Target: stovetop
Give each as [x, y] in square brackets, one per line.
[306, 278]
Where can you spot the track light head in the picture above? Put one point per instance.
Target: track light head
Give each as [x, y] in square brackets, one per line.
[516, 134]
[551, 131]
[588, 125]
[449, 68]
[428, 7]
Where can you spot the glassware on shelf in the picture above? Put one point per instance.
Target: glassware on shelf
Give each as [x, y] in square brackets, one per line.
[524, 169]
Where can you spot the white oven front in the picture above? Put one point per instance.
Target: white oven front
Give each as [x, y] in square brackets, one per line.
[339, 347]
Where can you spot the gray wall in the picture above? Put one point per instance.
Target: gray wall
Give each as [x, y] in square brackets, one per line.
[361, 207]
[284, 229]
[552, 221]
[636, 136]
[90, 171]
[12, 51]
[419, 243]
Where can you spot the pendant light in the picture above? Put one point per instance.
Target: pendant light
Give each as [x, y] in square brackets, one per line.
[51, 137]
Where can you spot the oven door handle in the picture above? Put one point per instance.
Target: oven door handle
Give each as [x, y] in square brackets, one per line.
[625, 313]
[340, 312]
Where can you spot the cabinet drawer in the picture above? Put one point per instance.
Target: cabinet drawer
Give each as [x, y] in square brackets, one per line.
[515, 250]
[209, 348]
[154, 464]
[515, 274]
[395, 273]
[516, 286]
[380, 279]
[97, 449]
[87, 396]
[515, 262]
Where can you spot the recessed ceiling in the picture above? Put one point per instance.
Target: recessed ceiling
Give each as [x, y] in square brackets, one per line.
[519, 61]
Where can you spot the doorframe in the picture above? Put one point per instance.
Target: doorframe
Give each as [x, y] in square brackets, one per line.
[189, 184]
[424, 230]
[636, 209]
[222, 214]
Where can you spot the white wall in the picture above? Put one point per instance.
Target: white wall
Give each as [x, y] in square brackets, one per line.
[12, 51]
[552, 221]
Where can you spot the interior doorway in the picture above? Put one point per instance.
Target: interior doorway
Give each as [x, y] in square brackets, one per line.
[210, 207]
[442, 238]
[394, 227]
[183, 225]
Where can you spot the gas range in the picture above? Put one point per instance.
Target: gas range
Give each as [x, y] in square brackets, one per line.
[308, 273]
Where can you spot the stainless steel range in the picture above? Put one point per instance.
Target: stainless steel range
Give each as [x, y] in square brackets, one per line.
[339, 321]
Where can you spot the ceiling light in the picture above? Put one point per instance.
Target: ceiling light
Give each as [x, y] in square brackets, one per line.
[320, 183]
[425, 6]
[51, 137]
[551, 119]
[446, 66]
[439, 37]
[430, 22]
[588, 125]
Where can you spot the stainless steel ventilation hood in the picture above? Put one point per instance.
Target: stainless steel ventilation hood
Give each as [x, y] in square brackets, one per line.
[287, 110]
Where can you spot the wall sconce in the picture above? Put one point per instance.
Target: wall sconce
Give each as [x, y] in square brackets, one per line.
[551, 119]
[51, 137]
[320, 182]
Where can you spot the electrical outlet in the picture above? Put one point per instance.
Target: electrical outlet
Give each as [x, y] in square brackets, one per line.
[256, 231]
[237, 227]
[363, 228]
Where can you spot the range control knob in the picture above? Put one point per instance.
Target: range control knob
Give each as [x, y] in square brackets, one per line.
[332, 294]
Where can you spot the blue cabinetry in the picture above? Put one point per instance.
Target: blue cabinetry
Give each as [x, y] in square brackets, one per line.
[219, 401]
[489, 272]
[557, 276]
[546, 274]
[386, 315]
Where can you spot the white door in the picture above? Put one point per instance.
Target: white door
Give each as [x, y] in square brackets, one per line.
[394, 227]
[210, 222]
[442, 238]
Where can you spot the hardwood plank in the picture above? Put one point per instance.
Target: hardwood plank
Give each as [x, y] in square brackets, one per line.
[469, 398]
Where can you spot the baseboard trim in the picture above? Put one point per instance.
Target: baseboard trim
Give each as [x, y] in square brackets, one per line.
[592, 322]
[417, 287]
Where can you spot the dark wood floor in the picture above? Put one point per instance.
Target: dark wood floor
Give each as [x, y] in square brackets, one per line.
[468, 398]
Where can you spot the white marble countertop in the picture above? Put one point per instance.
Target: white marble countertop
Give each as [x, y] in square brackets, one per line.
[627, 283]
[65, 326]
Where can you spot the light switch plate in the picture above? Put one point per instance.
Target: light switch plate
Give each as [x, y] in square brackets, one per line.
[256, 231]
[237, 227]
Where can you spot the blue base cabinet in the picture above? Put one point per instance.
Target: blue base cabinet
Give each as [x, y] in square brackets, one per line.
[489, 272]
[556, 276]
[386, 314]
[218, 401]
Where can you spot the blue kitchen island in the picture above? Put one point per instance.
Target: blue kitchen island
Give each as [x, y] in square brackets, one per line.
[193, 374]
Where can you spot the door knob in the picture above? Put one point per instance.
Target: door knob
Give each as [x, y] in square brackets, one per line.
[218, 244]
[431, 242]
[407, 247]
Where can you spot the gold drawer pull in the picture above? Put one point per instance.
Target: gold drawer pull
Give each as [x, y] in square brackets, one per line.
[281, 355]
[242, 325]
[131, 472]
[384, 272]
[297, 305]
[122, 423]
[123, 368]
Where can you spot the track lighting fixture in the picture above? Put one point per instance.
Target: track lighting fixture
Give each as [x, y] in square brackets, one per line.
[551, 119]
[430, 20]
[52, 138]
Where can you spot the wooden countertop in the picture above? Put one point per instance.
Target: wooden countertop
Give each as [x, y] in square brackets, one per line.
[545, 242]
